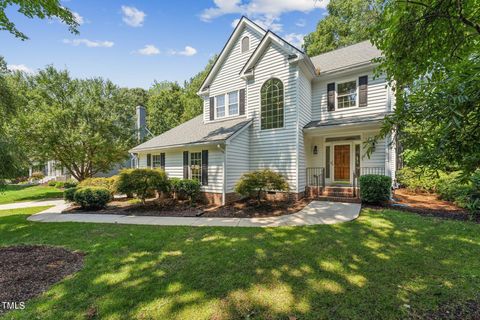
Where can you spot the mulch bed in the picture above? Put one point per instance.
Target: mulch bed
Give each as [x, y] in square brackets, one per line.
[468, 310]
[26, 271]
[182, 208]
[426, 204]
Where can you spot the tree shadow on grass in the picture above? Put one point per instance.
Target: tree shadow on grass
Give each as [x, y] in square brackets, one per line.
[378, 266]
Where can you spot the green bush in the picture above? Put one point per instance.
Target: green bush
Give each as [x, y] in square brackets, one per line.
[37, 175]
[142, 182]
[191, 188]
[256, 183]
[52, 183]
[108, 183]
[375, 188]
[174, 186]
[417, 180]
[69, 194]
[59, 184]
[92, 197]
[70, 184]
[465, 194]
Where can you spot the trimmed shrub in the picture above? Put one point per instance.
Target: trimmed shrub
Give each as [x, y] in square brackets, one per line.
[142, 182]
[70, 184]
[92, 197]
[60, 184]
[69, 194]
[52, 183]
[191, 188]
[37, 175]
[174, 186]
[463, 194]
[375, 188]
[256, 183]
[108, 183]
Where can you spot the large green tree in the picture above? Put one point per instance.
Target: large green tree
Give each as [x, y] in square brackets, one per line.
[86, 125]
[43, 9]
[432, 58]
[347, 22]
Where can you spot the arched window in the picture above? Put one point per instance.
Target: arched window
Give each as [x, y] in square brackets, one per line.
[272, 104]
[245, 44]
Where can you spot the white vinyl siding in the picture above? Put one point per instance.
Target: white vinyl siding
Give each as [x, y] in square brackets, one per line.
[238, 156]
[174, 165]
[377, 97]
[304, 117]
[228, 79]
[275, 148]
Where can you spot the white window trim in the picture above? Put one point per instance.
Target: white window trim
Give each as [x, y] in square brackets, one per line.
[190, 174]
[159, 161]
[224, 106]
[241, 45]
[260, 118]
[356, 91]
[227, 105]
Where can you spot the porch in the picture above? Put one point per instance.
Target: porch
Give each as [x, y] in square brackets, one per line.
[336, 157]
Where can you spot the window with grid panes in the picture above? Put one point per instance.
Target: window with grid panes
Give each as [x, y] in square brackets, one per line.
[272, 108]
[196, 166]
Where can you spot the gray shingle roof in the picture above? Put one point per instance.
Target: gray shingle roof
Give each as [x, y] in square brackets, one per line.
[194, 131]
[345, 121]
[346, 56]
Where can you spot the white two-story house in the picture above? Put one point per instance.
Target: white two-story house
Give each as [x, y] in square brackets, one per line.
[268, 105]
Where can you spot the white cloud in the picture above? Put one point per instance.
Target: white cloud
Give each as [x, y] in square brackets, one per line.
[89, 43]
[295, 39]
[301, 23]
[266, 13]
[132, 16]
[19, 67]
[149, 50]
[78, 18]
[188, 51]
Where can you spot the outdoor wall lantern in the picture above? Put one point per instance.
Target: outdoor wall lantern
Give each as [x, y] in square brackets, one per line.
[315, 150]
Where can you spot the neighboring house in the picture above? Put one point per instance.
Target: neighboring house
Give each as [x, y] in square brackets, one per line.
[268, 105]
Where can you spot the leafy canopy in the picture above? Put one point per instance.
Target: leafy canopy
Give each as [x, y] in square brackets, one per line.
[43, 9]
[432, 59]
[347, 23]
[87, 125]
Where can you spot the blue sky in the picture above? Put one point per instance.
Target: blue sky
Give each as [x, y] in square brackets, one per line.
[134, 43]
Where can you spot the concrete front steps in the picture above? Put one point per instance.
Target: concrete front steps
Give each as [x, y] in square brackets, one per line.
[334, 193]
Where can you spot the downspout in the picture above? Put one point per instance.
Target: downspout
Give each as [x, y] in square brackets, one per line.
[224, 182]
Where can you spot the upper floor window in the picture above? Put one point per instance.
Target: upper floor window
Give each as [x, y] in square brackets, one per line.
[220, 106]
[272, 110]
[347, 94]
[233, 103]
[245, 44]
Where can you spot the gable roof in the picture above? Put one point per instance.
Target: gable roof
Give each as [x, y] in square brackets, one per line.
[244, 21]
[350, 56]
[194, 132]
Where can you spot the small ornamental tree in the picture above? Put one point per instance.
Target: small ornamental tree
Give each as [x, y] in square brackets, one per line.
[254, 184]
[142, 182]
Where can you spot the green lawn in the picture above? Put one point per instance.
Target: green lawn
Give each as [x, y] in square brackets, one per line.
[18, 193]
[377, 267]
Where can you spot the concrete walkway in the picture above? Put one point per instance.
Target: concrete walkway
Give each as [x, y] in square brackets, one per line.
[29, 204]
[317, 212]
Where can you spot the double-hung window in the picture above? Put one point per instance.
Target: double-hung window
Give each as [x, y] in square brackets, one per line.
[220, 106]
[156, 162]
[347, 94]
[233, 103]
[226, 105]
[196, 166]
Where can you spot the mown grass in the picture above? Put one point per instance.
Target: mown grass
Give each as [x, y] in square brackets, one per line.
[19, 193]
[385, 265]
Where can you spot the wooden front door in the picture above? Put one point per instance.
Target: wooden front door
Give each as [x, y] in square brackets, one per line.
[341, 162]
